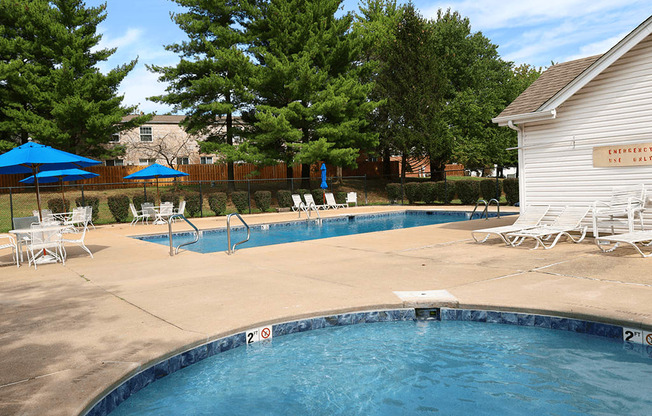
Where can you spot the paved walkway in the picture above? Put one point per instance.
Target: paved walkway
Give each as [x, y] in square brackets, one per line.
[69, 333]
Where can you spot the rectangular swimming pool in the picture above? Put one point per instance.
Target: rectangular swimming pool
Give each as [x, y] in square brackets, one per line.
[301, 230]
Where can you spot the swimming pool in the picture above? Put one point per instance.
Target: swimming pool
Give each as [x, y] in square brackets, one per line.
[287, 232]
[413, 367]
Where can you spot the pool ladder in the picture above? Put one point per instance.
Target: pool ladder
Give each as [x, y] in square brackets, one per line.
[171, 219]
[307, 209]
[485, 211]
[231, 249]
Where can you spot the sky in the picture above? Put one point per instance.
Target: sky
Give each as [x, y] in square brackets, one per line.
[536, 32]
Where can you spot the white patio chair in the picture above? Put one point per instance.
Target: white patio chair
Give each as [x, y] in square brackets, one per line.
[138, 215]
[330, 201]
[44, 242]
[530, 218]
[7, 241]
[570, 220]
[148, 208]
[351, 198]
[310, 201]
[77, 219]
[89, 215]
[79, 241]
[46, 213]
[624, 205]
[166, 211]
[182, 208]
[636, 239]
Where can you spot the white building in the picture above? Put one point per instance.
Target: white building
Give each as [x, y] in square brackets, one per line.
[600, 103]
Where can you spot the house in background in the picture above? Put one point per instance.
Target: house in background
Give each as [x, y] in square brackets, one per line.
[585, 126]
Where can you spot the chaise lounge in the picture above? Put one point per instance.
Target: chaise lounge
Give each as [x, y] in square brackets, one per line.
[530, 218]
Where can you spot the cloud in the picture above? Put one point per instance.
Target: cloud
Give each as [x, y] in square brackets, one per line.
[139, 85]
[595, 48]
[131, 36]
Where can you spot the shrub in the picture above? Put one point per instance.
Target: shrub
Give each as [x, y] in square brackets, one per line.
[284, 198]
[340, 197]
[427, 192]
[119, 207]
[193, 203]
[92, 201]
[139, 199]
[468, 191]
[488, 189]
[443, 192]
[217, 202]
[393, 192]
[412, 192]
[241, 201]
[302, 192]
[263, 200]
[510, 186]
[173, 197]
[56, 205]
[318, 196]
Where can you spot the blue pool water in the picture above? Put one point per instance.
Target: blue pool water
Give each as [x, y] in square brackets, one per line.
[410, 368]
[215, 240]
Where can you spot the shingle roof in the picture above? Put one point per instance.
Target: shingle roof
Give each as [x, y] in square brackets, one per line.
[547, 85]
[164, 119]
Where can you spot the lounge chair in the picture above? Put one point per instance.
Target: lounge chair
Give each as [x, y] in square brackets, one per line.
[570, 220]
[310, 201]
[299, 205]
[635, 239]
[7, 241]
[351, 198]
[530, 218]
[625, 203]
[138, 215]
[330, 201]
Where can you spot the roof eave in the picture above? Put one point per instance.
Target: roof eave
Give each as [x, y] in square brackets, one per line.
[526, 117]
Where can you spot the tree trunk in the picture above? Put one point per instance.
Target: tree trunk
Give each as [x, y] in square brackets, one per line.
[289, 175]
[230, 170]
[305, 176]
[387, 165]
[437, 170]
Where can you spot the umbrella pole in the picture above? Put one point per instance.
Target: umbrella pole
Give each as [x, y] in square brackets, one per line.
[38, 195]
[63, 196]
[157, 195]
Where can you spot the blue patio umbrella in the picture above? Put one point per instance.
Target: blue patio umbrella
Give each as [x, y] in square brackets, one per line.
[156, 171]
[34, 158]
[323, 185]
[63, 175]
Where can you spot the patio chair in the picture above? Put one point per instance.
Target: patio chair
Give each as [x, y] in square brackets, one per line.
[182, 208]
[330, 201]
[636, 239]
[7, 241]
[47, 214]
[148, 208]
[79, 241]
[624, 205]
[570, 220]
[351, 198]
[138, 215]
[44, 242]
[77, 219]
[530, 218]
[89, 215]
[299, 205]
[310, 201]
[22, 223]
[166, 211]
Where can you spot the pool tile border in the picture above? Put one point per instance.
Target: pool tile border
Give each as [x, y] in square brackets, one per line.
[168, 366]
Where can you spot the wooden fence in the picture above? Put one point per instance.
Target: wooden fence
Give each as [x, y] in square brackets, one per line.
[110, 175]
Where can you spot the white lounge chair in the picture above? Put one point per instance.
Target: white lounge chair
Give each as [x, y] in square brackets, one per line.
[138, 215]
[625, 203]
[330, 201]
[310, 202]
[570, 220]
[299, 205]
[7, 241]
[636, 239]
[530, 218]
[351, 198]
[79, 240]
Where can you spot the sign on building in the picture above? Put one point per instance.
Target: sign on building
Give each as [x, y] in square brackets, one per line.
[639, 154]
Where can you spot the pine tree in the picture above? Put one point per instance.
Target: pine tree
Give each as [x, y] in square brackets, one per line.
[312, 103]
[64, 100]
[210, 81]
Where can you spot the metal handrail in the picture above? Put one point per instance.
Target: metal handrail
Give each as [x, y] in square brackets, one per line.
[484, 212]
[313, 207]
[497, 207]
[231, 250]
[174, 251]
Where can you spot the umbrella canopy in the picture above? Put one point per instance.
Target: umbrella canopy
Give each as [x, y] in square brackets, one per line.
[324, 185]
[34, 158]
[156, 171]
[64, 175]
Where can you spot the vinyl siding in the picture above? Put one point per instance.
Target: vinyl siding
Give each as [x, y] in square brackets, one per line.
[614, 108]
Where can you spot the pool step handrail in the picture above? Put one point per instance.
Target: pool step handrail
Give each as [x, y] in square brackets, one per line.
[171, 219]
[484, 211]
[497, 207]
[313, 207]
[231, 249]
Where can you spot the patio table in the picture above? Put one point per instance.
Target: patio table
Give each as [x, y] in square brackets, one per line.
[23, 235]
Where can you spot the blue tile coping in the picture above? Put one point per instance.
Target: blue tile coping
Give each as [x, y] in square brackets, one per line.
[110, 401]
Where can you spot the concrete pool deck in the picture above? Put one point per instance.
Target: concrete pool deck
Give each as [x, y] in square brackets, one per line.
[70, 333]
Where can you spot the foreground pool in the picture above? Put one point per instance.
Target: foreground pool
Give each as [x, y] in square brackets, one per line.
[302, 230]
[410, 368]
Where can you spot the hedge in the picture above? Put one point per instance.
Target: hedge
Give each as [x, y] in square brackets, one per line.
[444, 192]
[412, 192]
[468, 191]
[488, 189]
[193, 203]
[510, 186]
[171, 197]
[428, 192]
[393, 192]
[263, 200]
[302, 192]
[241, 201]
[139, 199]
[284, 198]
[217, 202]
[318, 196]
[56, 205]
[92, 201]
[119, 207]
[340, 197]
